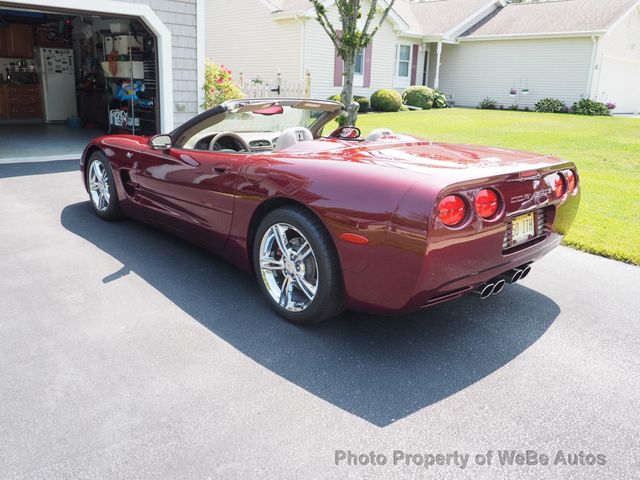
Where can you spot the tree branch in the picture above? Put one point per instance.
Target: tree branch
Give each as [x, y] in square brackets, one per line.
[323, 20]
[370, 15]
[384, 17]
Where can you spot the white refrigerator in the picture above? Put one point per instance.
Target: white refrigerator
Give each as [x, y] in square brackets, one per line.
[58, 83]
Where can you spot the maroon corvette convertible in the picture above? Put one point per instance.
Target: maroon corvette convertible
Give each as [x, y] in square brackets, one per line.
[386, 224]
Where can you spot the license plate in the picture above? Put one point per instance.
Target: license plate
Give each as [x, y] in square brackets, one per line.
[523, 228]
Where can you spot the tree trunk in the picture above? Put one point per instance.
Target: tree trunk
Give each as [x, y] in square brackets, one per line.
[347, 89]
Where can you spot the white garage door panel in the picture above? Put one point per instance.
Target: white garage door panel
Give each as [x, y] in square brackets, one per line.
[620, 83]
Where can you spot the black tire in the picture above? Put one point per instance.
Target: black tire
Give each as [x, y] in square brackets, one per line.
[112, 211]
[329, 298]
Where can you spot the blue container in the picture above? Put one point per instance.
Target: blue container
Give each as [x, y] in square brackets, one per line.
[74, 122]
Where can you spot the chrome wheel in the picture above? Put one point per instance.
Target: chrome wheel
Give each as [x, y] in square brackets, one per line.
[288, 267]
[99, 186]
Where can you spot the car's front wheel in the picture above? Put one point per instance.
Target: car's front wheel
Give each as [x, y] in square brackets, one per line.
[297, 266]
[102, 188]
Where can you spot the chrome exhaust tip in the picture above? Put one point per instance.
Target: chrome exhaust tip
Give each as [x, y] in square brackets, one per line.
[525, 272]
[497, 287]
[484, 291]
[512, 276]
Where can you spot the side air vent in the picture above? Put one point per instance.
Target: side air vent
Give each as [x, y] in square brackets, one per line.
[129, 186]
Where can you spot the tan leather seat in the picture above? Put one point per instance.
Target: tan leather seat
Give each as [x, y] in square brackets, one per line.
[291, 136]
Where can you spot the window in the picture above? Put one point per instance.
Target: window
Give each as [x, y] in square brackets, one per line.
[360, 63]
[404, 60]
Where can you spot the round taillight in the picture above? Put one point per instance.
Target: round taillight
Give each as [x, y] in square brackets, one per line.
[559, 185]
[487, 203]
[571, 181]
[452, 210]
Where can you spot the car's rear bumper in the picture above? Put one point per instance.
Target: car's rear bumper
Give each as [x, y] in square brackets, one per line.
[399, 281]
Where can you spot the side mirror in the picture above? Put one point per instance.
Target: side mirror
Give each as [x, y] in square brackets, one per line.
[160, 142]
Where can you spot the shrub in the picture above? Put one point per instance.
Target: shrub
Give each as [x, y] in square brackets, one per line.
[386, 100]
[364, 105]
[586, 106]
[488, 104]
[218, 85]
[419, 96]
[514, 108]
[550, 105]
[363, 102]
[611, 105]
[440, 100]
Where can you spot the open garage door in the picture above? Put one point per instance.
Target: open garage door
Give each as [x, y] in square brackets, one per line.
[68, 76]
[620, 83]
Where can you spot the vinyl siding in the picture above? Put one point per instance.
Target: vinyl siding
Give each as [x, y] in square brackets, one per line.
[247, 38]
[179, 16]
[617, 73]
[558, 68]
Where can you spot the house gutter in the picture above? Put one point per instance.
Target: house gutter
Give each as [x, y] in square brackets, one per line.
[527, 36]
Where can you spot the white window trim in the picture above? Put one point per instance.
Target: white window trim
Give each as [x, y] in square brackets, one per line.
[150, 19]
[358, 78]
[397, 79]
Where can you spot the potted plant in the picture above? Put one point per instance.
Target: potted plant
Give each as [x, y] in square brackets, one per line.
[513, 92]
[525, 91]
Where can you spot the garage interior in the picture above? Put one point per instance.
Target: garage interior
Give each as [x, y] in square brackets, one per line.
[66, 78]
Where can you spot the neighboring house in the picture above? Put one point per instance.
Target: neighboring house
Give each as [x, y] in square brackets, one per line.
[470, 49]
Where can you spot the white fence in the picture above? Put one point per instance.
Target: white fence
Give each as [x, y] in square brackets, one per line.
[278, 87]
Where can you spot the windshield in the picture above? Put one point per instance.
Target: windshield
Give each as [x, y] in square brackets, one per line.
[258, 122]
[256, 119]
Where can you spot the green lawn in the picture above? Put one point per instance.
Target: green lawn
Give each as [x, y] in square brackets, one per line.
[606, 151]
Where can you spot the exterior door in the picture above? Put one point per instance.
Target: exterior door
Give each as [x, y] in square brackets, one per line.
[425, 68]
[189, 191]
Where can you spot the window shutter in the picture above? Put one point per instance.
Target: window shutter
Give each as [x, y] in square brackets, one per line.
[338, 66]
[367, 65]
[414, 63]
[337, 71]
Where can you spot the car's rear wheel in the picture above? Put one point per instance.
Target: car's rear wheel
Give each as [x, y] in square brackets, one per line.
[297, 266]
[102, 188]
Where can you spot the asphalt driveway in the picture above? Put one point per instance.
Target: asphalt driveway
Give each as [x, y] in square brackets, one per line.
[126, 353]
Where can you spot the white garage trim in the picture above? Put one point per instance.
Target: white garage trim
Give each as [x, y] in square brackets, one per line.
[200, 47]
[150, 19]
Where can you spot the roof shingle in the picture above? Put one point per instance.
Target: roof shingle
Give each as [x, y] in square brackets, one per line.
[550, 17]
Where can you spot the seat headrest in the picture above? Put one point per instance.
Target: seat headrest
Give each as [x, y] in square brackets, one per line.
[377, 134]
[291, 136]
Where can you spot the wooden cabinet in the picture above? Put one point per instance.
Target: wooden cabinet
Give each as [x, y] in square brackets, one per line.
[4, 41]
[20, 101]
[16, 41]
[4, 104]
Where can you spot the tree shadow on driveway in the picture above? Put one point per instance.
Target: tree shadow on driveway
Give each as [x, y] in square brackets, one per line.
[380, 369]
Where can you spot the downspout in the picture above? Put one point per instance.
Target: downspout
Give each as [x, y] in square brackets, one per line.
[436, 81]
[594, 39]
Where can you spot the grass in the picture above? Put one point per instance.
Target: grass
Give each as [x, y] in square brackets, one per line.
[606, 151]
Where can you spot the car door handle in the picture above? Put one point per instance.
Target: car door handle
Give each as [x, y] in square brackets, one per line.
[222, 168]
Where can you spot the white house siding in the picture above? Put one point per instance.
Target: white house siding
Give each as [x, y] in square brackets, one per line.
[245, 36]
[558, 68]
[617, 74]
[180, 18]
